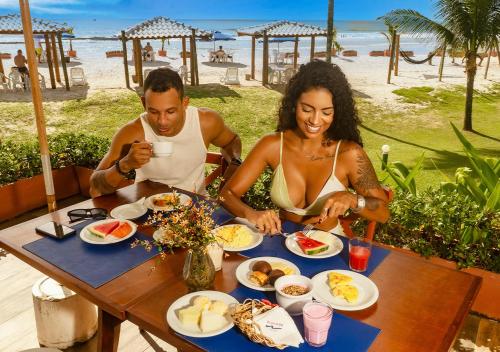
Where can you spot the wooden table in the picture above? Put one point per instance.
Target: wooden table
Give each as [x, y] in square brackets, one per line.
[421, 305]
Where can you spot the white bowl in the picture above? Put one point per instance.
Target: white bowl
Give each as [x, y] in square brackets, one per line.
[293, 304]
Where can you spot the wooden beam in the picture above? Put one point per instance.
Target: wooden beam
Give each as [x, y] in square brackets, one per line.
[48, 51]
[184, 62]
[265, 60]
[191, 61]
[441, 63]
[295, 52]
[54, 55]
[125, 63]
[2, 70]
[396, 62]
[498, 52]
[487, 64]
[313, 42]
[194, 57]
[391, 59]
[252, 65]
[139, 63]
[36, 94]
[63, 62]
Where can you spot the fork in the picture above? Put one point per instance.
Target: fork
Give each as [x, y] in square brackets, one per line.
[305, 231]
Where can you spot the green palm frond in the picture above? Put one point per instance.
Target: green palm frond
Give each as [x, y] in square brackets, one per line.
[414, 23]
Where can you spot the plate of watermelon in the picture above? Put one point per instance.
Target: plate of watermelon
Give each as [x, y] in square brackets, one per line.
[108, 231]
[316, 245]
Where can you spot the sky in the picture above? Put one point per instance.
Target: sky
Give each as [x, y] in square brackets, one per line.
[216, 9]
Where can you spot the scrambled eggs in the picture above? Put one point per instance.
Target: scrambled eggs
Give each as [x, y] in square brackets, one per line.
[236, 236]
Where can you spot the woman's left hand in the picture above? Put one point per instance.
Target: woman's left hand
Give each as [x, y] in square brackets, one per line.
[336, 205]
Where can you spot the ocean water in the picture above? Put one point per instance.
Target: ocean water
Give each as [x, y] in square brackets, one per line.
[363, 36]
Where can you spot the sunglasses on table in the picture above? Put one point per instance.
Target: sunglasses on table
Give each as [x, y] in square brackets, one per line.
[92, 213]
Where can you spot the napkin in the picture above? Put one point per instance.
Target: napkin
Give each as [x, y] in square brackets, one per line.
[277, 325]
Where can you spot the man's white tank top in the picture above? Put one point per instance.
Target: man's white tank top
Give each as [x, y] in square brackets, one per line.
[185, 167]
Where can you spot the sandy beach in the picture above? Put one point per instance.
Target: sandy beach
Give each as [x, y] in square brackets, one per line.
[366, 74]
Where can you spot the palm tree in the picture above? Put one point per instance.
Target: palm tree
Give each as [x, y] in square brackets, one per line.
[329, 38]
[465, 24]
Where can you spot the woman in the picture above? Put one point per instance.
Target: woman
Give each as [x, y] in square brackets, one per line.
[316, 155]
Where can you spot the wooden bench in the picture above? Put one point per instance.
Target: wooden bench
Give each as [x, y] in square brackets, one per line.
[115, 53]
[350, 53]
[4, 56]
[377, 53]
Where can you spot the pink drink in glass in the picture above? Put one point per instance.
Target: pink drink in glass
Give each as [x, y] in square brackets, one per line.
[317, 320]
[359, 252]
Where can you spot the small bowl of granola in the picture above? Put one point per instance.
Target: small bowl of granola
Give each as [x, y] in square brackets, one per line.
[293, 292]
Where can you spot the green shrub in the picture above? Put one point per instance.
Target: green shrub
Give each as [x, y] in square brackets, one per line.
[432, 223]
[22, 160]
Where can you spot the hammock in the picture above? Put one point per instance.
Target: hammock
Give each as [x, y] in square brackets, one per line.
[417, 62]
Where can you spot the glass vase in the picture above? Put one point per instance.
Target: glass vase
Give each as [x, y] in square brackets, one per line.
[199, 270]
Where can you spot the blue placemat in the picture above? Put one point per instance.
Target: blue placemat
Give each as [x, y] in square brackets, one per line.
[274, 246]
[345, 334]
[93, 264]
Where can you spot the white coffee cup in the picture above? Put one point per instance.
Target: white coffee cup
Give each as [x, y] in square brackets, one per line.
[162, 149]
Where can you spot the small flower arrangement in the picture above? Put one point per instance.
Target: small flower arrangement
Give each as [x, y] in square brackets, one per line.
[188, 227]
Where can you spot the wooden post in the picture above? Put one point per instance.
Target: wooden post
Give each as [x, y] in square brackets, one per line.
[184, 62]
[441, 63]
[396, 63]
[313, 42]
[265, 60]
[194, 58]
[125, 59]
[252, 69]
[54, 55]
[36, 94]
[137, 58]
[191, 61]
[295, 52]
[498, 52]
[63, 62]
[391, 59]
[1, 69]
[139, 63]
[49, 61]
[487, 64]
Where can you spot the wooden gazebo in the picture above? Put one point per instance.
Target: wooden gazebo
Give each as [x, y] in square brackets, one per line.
[279, 30]
[12, 24]
[161, 28]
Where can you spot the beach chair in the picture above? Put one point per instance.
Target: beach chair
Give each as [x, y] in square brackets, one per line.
[77, 76]
[41, 79]
[287, 75]
[280, 60]
[228, 56]
[4, 81]
[273, 76]
[16, 79]
[184, 73]
[231, 76]
[150, 56]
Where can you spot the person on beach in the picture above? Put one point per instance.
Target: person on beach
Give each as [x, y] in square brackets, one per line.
[219, 55]
[146, 51]
[317, 157]
[20, 62]
[167, 118]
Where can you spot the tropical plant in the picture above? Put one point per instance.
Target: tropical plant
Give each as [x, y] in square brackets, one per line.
[403, 177]
[330, 32]
[481, 184]
[467, 25]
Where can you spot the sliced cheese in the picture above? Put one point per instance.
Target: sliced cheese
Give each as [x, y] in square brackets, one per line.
[218, 307]
[211, 321]
[202, 301]
[283, 267]
[348, 292]
[338, 279]
[190, 317]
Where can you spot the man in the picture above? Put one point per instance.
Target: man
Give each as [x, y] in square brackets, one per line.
[168, 117]
[147, 49]
[20, 62]
[219, 54]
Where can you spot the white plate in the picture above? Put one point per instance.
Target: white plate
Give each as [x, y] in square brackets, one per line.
[186, 300]
[129, 211]
[88, 237]
[256, 239]
[184, 200]
[335, 245]
[243, 270]
[368, 291]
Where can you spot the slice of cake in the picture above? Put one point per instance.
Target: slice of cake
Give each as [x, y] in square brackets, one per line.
[348, 292]
[335, 279]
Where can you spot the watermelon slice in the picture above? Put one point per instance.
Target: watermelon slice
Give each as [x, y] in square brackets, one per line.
[309, 245]
[122, 230]
[104, 229]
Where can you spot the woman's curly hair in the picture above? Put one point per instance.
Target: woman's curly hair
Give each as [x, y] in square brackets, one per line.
[320, 74]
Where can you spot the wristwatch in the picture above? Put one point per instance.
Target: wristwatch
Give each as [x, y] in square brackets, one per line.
[128, 175]
[361, 204]
[235, 161]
